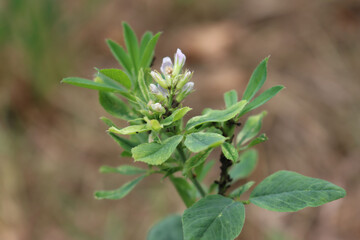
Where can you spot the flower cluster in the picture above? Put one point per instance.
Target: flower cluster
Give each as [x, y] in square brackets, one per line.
[172, 85]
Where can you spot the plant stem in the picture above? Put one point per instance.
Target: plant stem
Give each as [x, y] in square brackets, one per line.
[192, 177]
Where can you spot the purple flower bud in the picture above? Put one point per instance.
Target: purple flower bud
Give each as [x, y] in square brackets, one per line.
[188, 87]
[163, 91]
[180, 59]
[185, 78]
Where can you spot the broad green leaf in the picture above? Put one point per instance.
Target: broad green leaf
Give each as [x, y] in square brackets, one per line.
[134, 129]
[213, 218]
[229, 151]
[185, 190]
[251, 129]
[261, 99]
[286, 191]
[240, 190]
[230, 98]
[176, 115]
[120, 55]
[257, 140]
[124, 169]
[118, 76]
[196, 160]
[120, 192]
[244, 168]
[132, 46]
[149, 51]
[156, 153]
[82, 82]
[200, 141]
[144, 41]
[216, 115]
[142, 85]
[114, 105]
[203, 171]
[169, 228]
[256, 81]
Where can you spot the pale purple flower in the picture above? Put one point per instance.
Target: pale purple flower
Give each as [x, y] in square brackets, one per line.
[167, 66]
[188, 87]
[163, 91]
[154, 89]
[185, 78]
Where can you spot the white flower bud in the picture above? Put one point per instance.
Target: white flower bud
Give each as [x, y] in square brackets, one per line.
[188, 87]
[154, 89]
[157, 107]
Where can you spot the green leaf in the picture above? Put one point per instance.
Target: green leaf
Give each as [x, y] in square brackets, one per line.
[132, 46]
[216, 115]
[169, 228]
[240, 190]
[262, 99]
[229, 151]
[213, 218]
[143, 88]
[259, 139]
[246, 165]
[149, 51]
[118, 76]
[251, 128]
[176, 115]
[134, 129]
[256, 81]
[196, 160]
[286, 191]
[200, 141]
[230, 98]
[144, 41]
[120, 192]
[201, 173]
[156, 153]
[185, 190]
[82, 82]
[114, 105]
[124, 169]
[120, 55]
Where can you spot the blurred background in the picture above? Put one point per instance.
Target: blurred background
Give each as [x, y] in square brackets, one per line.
[52, 141]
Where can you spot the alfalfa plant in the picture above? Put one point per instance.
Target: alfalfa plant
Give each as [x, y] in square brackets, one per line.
[152, 104]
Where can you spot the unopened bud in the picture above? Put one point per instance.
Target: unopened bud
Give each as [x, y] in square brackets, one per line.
[158, 78]
[185, 78]
[155, 125]
[188, 87]
[157, 107]
[179, 62]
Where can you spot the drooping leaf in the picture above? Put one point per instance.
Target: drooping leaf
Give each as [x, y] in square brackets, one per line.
[118, 76]
[169, 228]
[244, 168]
[262, 99]
[185, 190]
[229, 151]
[144, 41]
[251, 129]
[213, 218]
[149, 51]
[114, 105]
[200, 141]
[132, 45]
[120, 55]
[240, 190]
[230, 98]
[120, 192]
[124, 169]
[256, 81]
[216, 115]
[286, 191]
[134, 129]
[196, 160]
[156, 153]
[176, 115]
